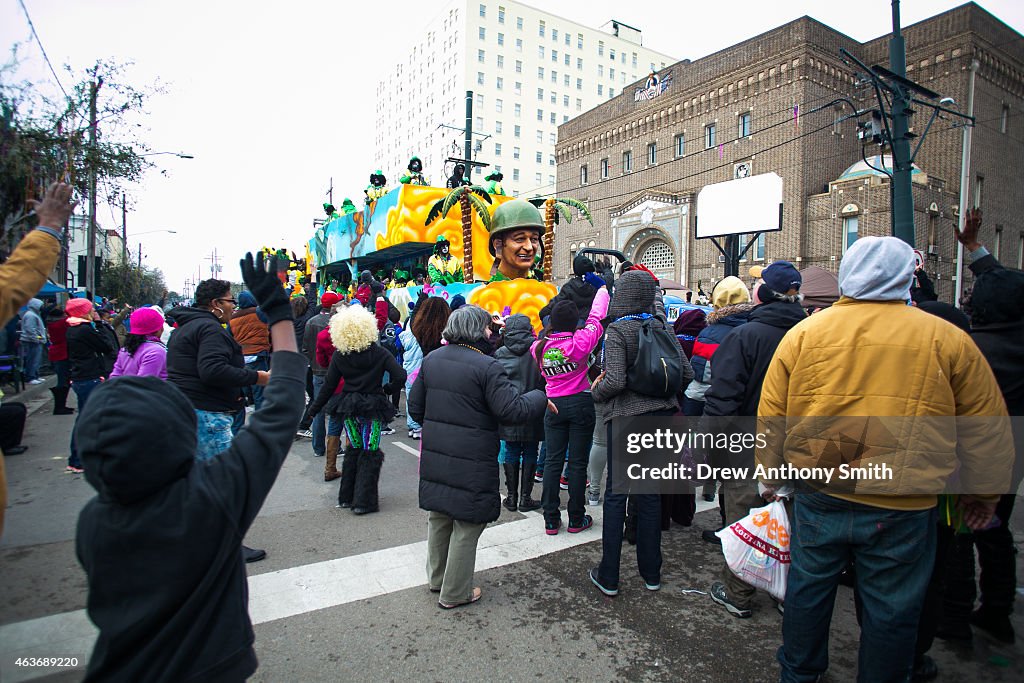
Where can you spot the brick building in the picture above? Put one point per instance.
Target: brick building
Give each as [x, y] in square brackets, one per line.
[769, 105]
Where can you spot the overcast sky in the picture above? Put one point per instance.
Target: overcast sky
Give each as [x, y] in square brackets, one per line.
[272, 100]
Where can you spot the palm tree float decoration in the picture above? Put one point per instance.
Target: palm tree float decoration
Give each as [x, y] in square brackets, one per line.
[555, 207]
[468, 202]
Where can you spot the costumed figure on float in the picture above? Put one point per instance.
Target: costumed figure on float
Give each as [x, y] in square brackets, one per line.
[415, 173]
[494, 183]
[443, 268]
[376, 189]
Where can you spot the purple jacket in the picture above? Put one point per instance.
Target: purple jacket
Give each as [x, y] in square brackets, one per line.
[150, 359]
[564, 361]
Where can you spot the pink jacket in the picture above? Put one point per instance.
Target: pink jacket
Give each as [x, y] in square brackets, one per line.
[150, 359]
[564, 363]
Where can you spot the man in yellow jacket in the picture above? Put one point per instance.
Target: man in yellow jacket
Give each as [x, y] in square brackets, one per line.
[939, 412]
[25, 272]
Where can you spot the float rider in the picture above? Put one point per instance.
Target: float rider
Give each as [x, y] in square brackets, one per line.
[515, 240]
[414, 176]
[494, 183]
[443, 268]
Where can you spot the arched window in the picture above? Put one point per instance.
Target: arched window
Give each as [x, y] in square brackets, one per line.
[658, 256]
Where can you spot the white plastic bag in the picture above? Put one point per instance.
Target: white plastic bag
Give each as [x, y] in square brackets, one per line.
[756, 548]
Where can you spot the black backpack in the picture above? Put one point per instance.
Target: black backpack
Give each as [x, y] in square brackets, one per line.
[386, 338]
[657, 371]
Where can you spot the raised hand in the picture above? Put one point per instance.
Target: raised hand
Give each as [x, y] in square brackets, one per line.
[55, 207]
[260, 278]
[972, 225]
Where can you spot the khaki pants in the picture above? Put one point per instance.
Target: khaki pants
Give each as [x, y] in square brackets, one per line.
[451, 556]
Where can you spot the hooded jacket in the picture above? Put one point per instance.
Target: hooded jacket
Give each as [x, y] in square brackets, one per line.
[161, 541]
[896, 361]
[635, 292]
[89, 346]
[248, 328]
[563, 355]
[314, 326]
[460, 397]
[150, 359]
[576, 290]
[720, 324]
[32, 328]
[520, 366]
[206, 363]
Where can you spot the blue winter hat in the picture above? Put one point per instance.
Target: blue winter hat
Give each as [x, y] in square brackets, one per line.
[458, 301]
[782, 276]
[246, 300]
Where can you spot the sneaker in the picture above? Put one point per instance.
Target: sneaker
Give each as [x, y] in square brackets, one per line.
[317, 455]
[581, 525]
[387, 431]
[719, 595]
[71, 469]
[593, 501]
[417, 434]
[563, 483]
[652, 585]
[304, 434]
[610, 592]
[997, 626]
[709, 536]
[35, 381]
[780, 607]
[538, 476]
[551, 528]
[410, 433]
[399, 414]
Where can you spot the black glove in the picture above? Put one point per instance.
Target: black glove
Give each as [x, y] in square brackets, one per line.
[261, 280]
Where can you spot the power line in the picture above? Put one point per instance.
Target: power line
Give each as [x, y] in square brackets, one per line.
[42, 49]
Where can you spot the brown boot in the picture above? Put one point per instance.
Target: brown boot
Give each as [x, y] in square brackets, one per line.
[331, 445]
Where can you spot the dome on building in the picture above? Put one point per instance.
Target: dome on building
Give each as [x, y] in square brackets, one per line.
[862, 170]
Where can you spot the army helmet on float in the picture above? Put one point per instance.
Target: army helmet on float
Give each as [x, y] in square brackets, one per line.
[514, 215]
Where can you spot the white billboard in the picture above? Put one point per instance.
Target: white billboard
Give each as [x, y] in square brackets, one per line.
[745, 205]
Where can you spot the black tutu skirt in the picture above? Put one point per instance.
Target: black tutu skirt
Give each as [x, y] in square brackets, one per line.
[356, 404]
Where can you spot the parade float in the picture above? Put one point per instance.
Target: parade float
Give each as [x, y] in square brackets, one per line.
[400, 229]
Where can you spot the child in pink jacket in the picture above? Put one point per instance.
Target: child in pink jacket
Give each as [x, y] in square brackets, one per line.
[562, 356]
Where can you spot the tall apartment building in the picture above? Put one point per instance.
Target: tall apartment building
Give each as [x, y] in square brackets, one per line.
[775, 103]
[529, 71]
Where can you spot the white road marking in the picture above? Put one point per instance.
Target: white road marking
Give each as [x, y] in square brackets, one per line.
[407, 449]
[297, 590]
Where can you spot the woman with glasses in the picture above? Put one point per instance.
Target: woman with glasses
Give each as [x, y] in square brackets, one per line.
[206, 363]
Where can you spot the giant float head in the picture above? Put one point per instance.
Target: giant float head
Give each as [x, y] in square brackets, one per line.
[517, 214]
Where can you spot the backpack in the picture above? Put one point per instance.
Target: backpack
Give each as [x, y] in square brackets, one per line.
[386, 338]
[656, 371]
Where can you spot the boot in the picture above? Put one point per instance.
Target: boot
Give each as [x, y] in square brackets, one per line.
[512, 484]
[367, 479]
[331, 445]
[349, 469]
[60, 399]
[526, 503]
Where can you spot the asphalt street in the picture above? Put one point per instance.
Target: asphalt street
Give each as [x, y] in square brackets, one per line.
[342, 597]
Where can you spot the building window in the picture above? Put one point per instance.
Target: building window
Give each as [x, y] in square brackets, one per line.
[997, 246]
[518, 131]
[519, 110]
[501, 39]
[568, 39]
[758, 247]
[600, 48]
[501, 14]
[566, 81]
[483, 33]
[1005, 118]
[540, 114]
[600, 89]
[743, 125]
[565, 100]
[519, 25]
[627, 161]
[519, 67]
[539, 158]
[604, 168]
[540, 139]
[652, 154]
[540, 73]
[479, 100]
[554, 117]
[554, 34]
[1020, 252]
[551, 180]
[566, 60]
[483, 11]
[538, 178]
[579, 63]
[679, 142]
[497, 125]
[479, 123]
[551, 160]
[497, 149]
[579, 104]
[611, 93]
[583, 174]
[519, 44]
[709, 136]
[611, 73]
[552, 138]
[611, 54]
[634, 60]
[480, 77]
[600, 70]
[501, 61]
[979, 186]
[515, 152]
[554, 76]
[480, 56]
[849, 231]
[579, 41]
[658, 256]
[499, 82]
[540, 94]
[497, 107]
[554, 97]
[540, 52]
[519, 88]
[541, 29]
[579, 84]
[515, 174]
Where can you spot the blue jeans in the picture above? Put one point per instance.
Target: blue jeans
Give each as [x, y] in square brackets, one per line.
[648, 527]
[571, 429]
[335, 425]
[893, 551]
[82, 390]
[32, 355]
[261, 363]
[524, 452]
[409, 422]
[319, 422]
[214, 433]
[61, 368]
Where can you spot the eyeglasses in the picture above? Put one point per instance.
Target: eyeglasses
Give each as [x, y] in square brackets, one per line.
[230, 301]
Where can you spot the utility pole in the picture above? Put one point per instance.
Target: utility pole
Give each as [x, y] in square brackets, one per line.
[90, 257]
[140, 255]
[965, 180]
[214, 263]
[124, 232]
[902, 194]
[469, 132]
[330, 191]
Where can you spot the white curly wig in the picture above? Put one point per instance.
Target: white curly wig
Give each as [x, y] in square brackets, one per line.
[353, 329]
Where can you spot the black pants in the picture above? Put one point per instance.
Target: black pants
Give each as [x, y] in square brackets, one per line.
[12, 424]
[573, 429]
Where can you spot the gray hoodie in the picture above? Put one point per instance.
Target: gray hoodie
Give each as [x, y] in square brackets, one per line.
[32, 328]
[877, 269]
